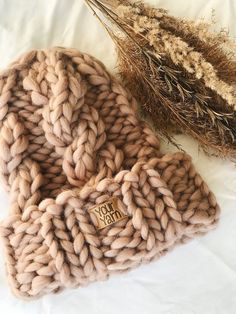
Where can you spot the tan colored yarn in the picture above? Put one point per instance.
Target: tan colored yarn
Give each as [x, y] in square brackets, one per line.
[70, 139]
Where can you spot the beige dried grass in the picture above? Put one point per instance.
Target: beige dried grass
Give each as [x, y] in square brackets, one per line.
[182, 74]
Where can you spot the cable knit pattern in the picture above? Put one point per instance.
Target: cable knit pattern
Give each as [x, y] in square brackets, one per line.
[70, 139]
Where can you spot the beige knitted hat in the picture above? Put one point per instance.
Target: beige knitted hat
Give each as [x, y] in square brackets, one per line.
[91, 194]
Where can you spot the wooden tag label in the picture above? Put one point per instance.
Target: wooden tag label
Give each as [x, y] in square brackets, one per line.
[106, 214]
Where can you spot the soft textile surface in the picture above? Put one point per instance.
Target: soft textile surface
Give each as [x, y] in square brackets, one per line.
[196, 278]
[91, 193]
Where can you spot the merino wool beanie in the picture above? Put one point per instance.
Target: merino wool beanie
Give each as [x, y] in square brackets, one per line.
[91, 193]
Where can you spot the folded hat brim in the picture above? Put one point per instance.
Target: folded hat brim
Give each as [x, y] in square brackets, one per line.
[56, 245]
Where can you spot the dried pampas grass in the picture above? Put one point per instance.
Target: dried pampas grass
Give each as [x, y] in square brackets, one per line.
[182, 74]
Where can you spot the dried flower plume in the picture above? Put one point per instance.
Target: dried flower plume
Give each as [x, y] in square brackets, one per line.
[182, 74]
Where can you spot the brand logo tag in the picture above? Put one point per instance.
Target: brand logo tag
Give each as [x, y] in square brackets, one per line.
[106, 214]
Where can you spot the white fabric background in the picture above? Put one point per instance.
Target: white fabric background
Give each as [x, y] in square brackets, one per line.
[199, 277]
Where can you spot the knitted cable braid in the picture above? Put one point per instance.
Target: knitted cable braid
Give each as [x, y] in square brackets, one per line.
[70, 140]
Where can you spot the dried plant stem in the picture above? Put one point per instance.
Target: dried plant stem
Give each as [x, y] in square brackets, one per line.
[189, 109]
[181, 53]
[166, 62]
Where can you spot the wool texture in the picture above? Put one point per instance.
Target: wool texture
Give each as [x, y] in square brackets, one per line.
[70, 139]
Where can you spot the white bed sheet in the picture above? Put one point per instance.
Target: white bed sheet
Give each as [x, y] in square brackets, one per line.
[199, 277]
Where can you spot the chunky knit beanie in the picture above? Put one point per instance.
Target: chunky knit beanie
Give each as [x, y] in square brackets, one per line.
[91, 194]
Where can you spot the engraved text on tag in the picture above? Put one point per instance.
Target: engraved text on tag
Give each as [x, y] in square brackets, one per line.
[106, 213]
